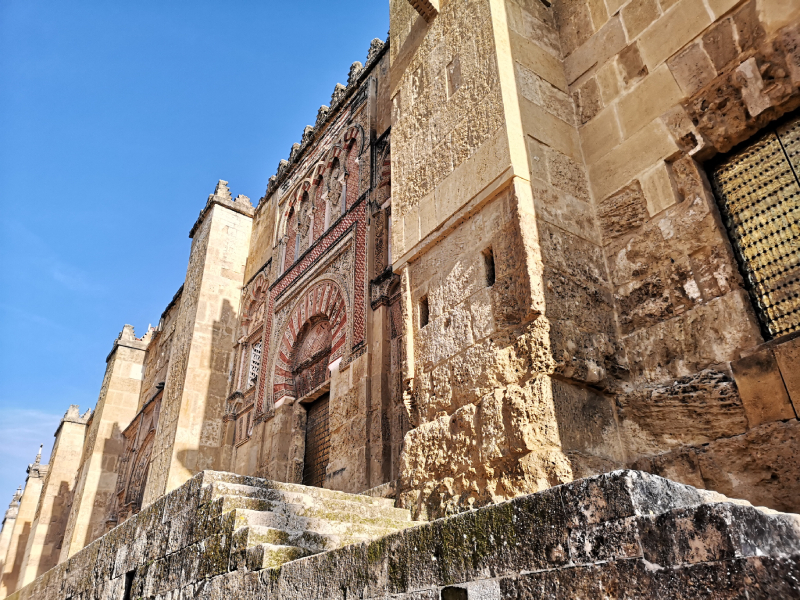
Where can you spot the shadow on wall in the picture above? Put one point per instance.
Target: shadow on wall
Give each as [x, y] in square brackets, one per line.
[15, 574]
[209, 450]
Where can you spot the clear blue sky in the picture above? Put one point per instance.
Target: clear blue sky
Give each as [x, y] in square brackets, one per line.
[116, 121]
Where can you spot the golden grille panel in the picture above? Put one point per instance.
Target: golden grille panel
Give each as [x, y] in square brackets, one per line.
[759, 195]
[318, 443]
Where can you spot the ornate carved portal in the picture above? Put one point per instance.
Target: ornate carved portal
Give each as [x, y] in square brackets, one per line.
[311, 356]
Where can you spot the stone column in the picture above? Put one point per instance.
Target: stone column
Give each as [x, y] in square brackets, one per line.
[190, 428]
[8, 527]
[13, 566]
[47, 530]
[97, 476]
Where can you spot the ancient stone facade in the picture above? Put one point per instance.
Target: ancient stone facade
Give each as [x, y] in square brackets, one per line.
[529, 242]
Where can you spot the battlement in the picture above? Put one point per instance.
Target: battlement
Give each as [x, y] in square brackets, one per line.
[341, 93]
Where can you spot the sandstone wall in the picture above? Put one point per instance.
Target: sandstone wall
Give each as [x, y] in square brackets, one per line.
[50, 520]
[13, 565]
[660, 88]
[593, 122]
[96, 477]
[189, 436]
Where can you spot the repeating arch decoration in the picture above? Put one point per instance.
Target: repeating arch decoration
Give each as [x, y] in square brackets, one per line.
[254, 305]
[323, 311]
[347, 149]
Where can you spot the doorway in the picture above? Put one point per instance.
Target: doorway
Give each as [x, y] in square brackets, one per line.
[318, 442]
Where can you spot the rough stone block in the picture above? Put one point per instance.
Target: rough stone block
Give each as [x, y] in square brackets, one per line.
[693, 410]
[759, 466]
[612, 540]
[574, 23]
[588, 102]
[623, 212]
[692, 68]
[787, 355]
[623, 494]
[720, 44]
[761, 388]
[586, 421]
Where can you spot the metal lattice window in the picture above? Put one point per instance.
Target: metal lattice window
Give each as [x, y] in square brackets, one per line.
[759, 195]
[255, 364]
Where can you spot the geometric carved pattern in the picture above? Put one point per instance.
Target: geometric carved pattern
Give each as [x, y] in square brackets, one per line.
[759, 196]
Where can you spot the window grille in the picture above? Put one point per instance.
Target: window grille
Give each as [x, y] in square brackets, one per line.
[255, 364]
[759, 195]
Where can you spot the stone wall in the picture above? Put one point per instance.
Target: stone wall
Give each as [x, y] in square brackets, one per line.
[621, 535]
[661, 88]
[590, 125]
[189, 436]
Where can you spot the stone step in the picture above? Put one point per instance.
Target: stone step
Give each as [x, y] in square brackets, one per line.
[267, 556]
[216, 477]
[310, 541]
[274, 497]
[297, 523]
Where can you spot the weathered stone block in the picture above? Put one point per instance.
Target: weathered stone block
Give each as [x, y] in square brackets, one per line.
[787, 355]
[653, 96]
[673, 31]
[637, 16]
[692, 68]
[659, 189]
[761, 388]
[623, 212]
[693, 410]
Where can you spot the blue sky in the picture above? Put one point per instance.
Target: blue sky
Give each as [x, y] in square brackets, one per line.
[116, 121]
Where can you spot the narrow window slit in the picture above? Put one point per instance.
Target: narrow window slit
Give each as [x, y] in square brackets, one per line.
[488, 258]
[424, 314]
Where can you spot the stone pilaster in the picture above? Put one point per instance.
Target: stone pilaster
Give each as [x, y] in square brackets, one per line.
[97, 475]
[8, 526]
[49, 523]
[10, 581]
[190, 429]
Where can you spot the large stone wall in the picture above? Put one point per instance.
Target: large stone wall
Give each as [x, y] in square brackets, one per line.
[622, 535]
[613, 268]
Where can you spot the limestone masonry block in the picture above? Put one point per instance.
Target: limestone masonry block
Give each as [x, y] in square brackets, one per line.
[762, 389]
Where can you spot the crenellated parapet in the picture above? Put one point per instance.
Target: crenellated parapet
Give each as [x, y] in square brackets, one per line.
[341, 93]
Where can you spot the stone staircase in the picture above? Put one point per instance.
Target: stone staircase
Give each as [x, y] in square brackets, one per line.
[274, 523]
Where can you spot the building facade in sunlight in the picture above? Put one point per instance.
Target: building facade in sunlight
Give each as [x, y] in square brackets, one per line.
[528, 242]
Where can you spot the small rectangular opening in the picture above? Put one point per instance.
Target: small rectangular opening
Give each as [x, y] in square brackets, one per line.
[128, 585]
[488, 258]
[454, 593]
[424, 313]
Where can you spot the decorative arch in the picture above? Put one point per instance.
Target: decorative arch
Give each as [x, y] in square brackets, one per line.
[316, 329]
[254, 306]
